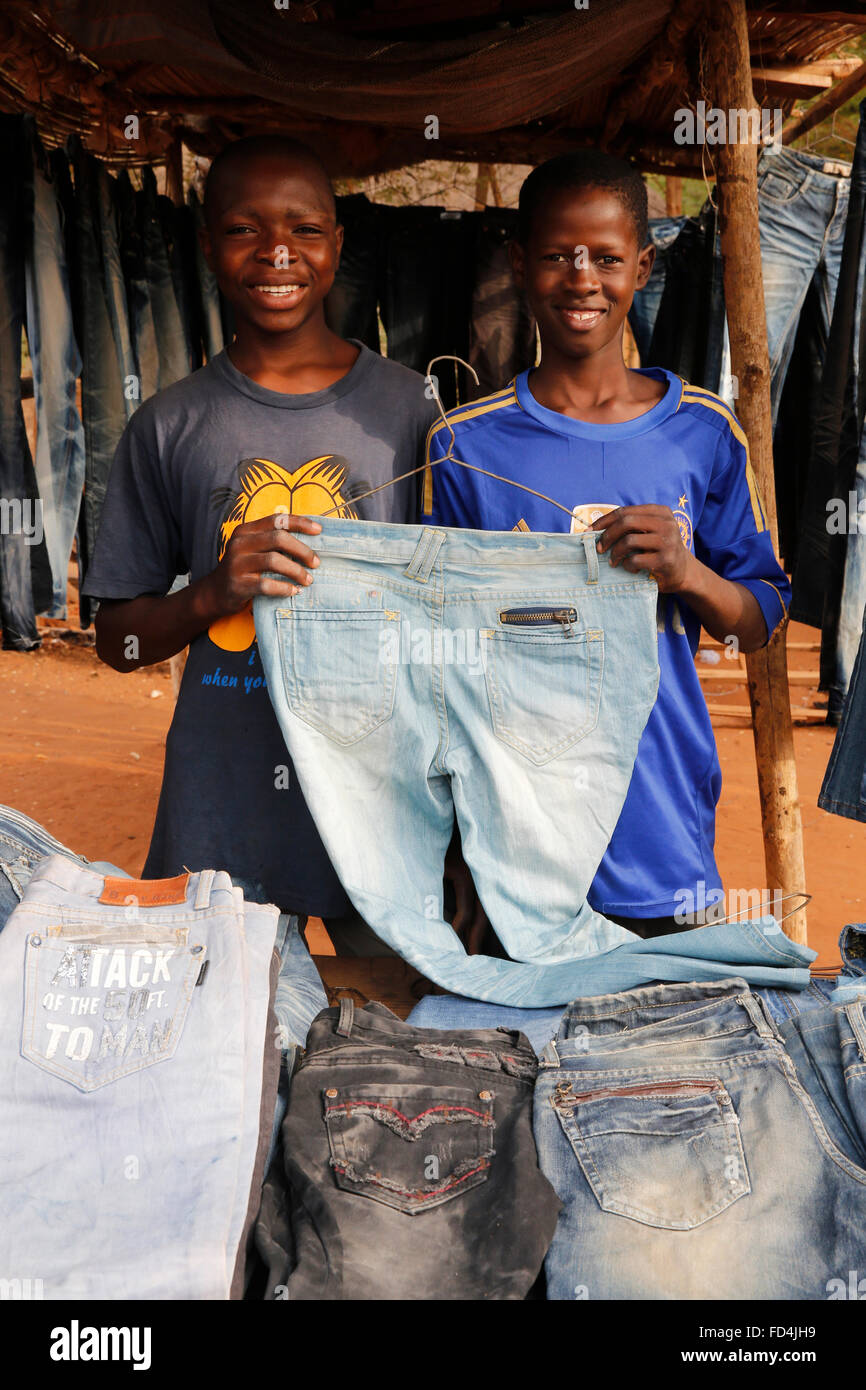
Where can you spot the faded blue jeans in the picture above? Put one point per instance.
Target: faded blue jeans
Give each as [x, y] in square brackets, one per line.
[502, 676]
[701, 1150]
[56, 364]
[300, 994]
[136, 1062]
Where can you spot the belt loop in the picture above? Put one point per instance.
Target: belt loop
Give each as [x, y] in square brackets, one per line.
[754, 1007]
[590, 547]
[202, 892]
[426, 551]
[855, 1017]
[347, 1017]
[550, 1056]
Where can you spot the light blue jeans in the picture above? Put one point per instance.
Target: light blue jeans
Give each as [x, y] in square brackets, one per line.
[56, 361]
[700, 1150]
[135, 1061]
[757, 951]
[802, 212]
[501, 676]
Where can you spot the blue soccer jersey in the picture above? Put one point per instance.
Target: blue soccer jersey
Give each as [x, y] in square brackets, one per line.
[688, 453]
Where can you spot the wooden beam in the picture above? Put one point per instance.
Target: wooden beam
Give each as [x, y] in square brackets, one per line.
[826, 105]
[799, 82]
[673, 196]
[726, 57]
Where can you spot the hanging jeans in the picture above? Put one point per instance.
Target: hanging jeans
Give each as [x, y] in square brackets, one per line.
[351, 306]
[493, 673]
[645, 306]
[26, 584]
[502, 328]
[410, 1168]
[802, 207]
[56, 364]
[207, 288]
[137, 288]
[425, 295]
[700, 1150]
[103, 404]
[171, 341]
[820, 578]
[689, 331]
[843, 790]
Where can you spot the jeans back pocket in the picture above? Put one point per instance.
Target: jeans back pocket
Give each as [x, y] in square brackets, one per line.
[339, 667]
[665, 1152]
[543, 687]
[98, 1010]
[412, 1147]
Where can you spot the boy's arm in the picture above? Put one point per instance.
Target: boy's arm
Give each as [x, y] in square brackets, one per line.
[733, 581]
[152, 627]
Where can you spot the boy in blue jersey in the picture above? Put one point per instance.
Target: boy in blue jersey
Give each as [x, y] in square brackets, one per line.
[661, 470]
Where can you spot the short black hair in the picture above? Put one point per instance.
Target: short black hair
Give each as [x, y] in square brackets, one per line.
[254, 147]
[589, 168]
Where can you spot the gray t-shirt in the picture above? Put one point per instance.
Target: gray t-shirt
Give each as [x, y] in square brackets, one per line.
[198, 459]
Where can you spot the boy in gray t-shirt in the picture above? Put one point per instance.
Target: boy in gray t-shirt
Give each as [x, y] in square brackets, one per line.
[288, 419]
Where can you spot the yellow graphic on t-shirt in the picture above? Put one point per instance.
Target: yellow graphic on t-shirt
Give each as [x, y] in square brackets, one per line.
[265, 489]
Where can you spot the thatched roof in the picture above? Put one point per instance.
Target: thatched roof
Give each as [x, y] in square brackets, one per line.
[367, 81]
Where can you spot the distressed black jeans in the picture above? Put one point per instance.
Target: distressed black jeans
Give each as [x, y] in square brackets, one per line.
[408, 1166]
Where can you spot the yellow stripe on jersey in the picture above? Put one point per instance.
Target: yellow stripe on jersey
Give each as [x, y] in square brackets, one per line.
[521, 526]
[691, 397]
[456, 417]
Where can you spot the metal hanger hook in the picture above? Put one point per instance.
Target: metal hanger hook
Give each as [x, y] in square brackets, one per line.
[434, 386]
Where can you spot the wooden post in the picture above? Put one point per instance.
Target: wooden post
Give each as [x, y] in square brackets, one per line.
[726, 55]
[673, 196]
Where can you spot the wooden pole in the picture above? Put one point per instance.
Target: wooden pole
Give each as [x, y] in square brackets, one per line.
[673, 196]
[726, 55]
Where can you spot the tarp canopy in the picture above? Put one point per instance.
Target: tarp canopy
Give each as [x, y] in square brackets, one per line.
[379, 83]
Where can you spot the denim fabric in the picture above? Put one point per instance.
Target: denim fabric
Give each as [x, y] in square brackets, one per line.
[757, 951]
[351, 307]
[140, 1049]
[178, 233]
[410, 1168]
[300, 994]
[171, 341]
[801, 214]
[103, 405]
[450, 1011]
[137, 287]
[502, 328]
[689, 331]
[645, 306]
[699, 1150]
[26, 585]
[843, 790]
[115, 286]
[425, 297]
[56, 364]
[207, 288]
[408, 678]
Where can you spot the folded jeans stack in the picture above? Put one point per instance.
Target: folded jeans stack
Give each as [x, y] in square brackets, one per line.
[142, 1056]
[410, 1167]
[700, 1149]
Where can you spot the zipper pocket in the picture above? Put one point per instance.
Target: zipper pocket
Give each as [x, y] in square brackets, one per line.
[535, 617]
[565, 1099]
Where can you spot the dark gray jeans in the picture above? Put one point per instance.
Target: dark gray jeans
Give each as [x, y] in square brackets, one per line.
[408, 1170]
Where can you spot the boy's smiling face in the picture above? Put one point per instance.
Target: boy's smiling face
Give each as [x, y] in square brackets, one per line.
[580, 268]
[272, 240]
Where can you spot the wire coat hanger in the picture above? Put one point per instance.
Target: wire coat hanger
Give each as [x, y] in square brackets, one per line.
[450, 456]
